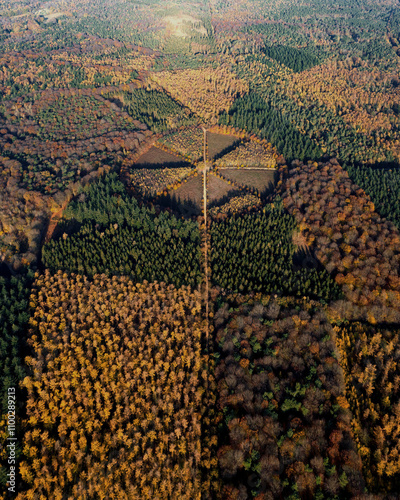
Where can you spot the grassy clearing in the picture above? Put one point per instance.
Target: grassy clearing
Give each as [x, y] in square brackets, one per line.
[157, 158]
[191, 190]
[261, 180]
[219, 144]
[217, 188]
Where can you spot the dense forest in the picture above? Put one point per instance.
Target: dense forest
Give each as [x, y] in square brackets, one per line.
[257, 115]
[339, 222]
[14, 316]
[383, 186]
[108, 389]
[255, 252]
[116, 236]
[211, 320]
[156, 109]
[295, 59]
[285, 431]
[369, 358]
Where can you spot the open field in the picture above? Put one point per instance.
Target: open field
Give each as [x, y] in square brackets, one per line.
[157, 158]
[261, 180]
[218, 143]
[182, 25]
[191, 190]
[217, 188]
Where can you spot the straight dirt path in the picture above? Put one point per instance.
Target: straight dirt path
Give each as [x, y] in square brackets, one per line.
[206, 277]
[246, 168]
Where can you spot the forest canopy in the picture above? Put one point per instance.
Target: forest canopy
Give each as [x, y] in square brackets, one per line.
[199, 249]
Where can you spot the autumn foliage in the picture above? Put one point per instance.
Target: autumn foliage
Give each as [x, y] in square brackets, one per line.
[212, 91]
[280, 391]
[236, 204]
[152, 181]
[369, 356]
[364, 99]
[115, 397]
[250, 153]
[355, 244]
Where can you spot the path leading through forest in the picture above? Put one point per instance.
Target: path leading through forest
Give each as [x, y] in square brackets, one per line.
[206, 277]
[247, 168]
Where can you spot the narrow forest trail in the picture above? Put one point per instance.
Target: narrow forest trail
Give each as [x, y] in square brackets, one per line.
[247, 168]
[209, 401]
[206, 276]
